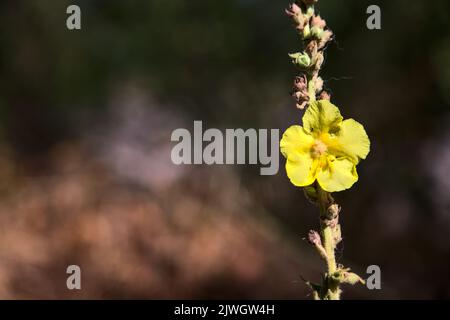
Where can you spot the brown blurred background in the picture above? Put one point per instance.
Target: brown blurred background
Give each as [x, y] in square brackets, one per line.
[85, 170]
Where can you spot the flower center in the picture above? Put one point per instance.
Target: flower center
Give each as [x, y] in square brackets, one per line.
[318, 149]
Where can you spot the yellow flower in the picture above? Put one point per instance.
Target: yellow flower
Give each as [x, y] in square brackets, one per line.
[327, 148]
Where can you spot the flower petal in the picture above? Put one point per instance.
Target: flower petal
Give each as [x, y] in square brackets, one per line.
[338, 175]
[301, 170]
[295, 141]
[321, 116]
[352, 140]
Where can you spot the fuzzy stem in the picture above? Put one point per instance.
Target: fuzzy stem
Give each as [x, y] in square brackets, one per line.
[311, 89]
[328, 240]
[327, 235]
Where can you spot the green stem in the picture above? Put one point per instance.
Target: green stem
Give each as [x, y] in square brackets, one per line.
[332, 291]
[328, 244]
[311, 89]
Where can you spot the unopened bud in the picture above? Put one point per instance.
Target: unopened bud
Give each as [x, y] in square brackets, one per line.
[316, 32]
[306, 31]
[318, 61]
[318, 22]
[311, 49]
[301, 60]
[314, 238]
[300, 91]
[300, 83]
[325, 38]
[293, 10]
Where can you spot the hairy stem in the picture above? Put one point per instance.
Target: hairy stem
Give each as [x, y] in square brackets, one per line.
[328, 224]
[327, 239]
[311, 89]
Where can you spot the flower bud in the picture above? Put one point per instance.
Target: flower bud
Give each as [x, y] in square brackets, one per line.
[300, 91]
[318, 22]
[316, 33]
[311, 49]
[314, 238]
[325, 38]
[293, 10]
[318, 61]
[306, 31]
[300, 83]
[301, 60]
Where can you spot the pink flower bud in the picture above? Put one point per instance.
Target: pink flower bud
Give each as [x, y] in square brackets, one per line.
[300, 91]
[317, 21]
[300, 83]
[314, 238]
[293, 10]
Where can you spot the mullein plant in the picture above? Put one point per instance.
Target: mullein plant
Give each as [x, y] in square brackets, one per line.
[322, 154]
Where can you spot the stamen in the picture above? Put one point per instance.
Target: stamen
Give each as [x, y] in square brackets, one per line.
[318, 149]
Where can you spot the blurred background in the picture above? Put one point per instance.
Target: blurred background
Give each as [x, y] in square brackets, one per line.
[85, 170]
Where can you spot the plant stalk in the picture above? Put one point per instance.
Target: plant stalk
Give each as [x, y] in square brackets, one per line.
[328, 225]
